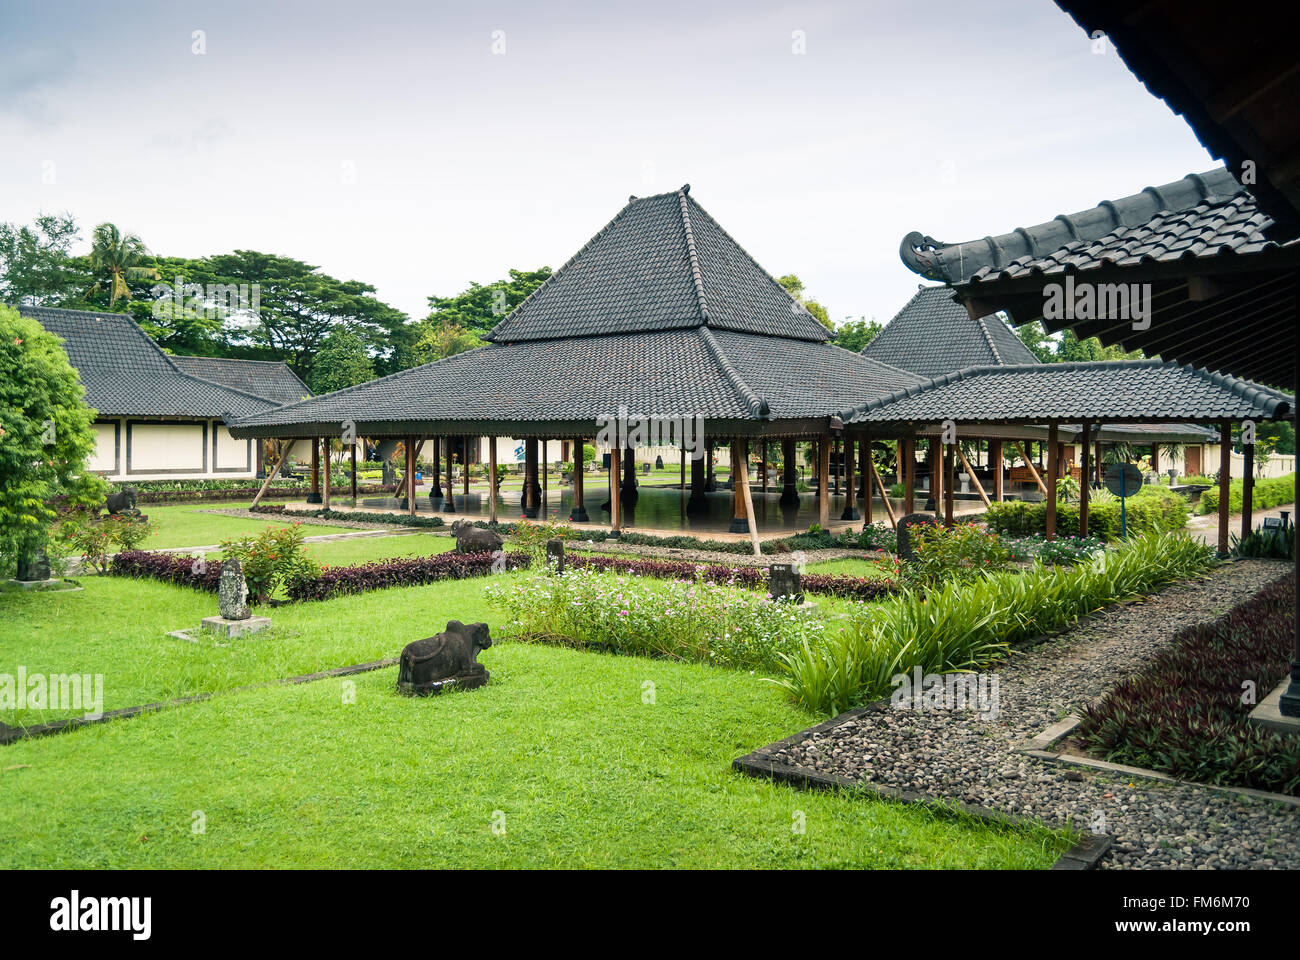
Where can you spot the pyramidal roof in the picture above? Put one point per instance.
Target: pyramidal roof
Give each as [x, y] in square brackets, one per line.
[661, 264]
[933, 335]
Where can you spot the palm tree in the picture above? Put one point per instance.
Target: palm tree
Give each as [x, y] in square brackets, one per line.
[119, 256]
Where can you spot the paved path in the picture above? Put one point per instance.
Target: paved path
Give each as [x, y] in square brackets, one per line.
[1206, 526]
[957, 756]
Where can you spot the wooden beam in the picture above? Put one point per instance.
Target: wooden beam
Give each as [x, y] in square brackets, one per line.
[936, 476]
[1225, 481]
[329, 476]
[314, 495]
[1085, 478]
[979, 488]
[866, 466]
[1053, 470]
[742, 480]
[270, 477]
[889, 510]
[410, 475]
[1028, 463]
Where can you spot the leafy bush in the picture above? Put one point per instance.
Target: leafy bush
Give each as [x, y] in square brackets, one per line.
[183, 571]
[397, 519]
[1154, 509]
[719, 624]
[957, 552]
[878, 536]
[1268, 492]
[532, 537]
[93, 538]
[412, 571]
[1184, 713]
[963, 625]
[270, 558]
[1269, 544]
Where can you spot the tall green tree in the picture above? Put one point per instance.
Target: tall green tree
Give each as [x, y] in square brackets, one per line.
[341, 362]
[299, 306]
[1071, 349]
[36, 264]
[1033, 336]
[854, 335]
[480, 308]
[46, 437]
[794, 287]
[115, 256]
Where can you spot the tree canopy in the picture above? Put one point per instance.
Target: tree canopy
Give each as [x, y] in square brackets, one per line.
[794, 286]
[46, 437]
[341, 362]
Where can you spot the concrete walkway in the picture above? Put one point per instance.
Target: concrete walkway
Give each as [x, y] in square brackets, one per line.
[1206, 526]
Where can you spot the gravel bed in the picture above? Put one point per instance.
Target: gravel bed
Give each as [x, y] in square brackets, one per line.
[958, 756]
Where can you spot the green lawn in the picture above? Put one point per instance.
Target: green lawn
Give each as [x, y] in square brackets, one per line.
[184, 525]
[559, 750]
[851, 567]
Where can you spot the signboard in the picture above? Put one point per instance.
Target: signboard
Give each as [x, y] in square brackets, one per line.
[1123, 479]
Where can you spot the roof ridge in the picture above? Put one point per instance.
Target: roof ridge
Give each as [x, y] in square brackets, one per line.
[757, 405]
[490, 336]
[988, 337]
[692, 254]
[759, 267]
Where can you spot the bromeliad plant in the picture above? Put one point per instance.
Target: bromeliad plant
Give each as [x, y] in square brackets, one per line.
[720, 624]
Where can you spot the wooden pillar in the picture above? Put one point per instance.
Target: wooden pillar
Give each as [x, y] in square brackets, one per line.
[532, 491]
[615, 502]
[697, 502]
[746, 498]
[1225, 481]
[1155, 459]
[492, 479]
[823, 478]
[1097, 457]
[765, 466]
[681, 483]
[947, 482]
[936, 475]
[836, 461]
[867, 468]
[314, 495]
[909, 471]
[435, 488]
[789, 474]
[850, 486]
[1053, 472]
[1085, 477]
[354, 473]
[710, 483]
[449, 501]
[1247, 488]
[739, 469]
[325, 451]
[995, 463]
[464, 472]
[579, 512]
[410, 475]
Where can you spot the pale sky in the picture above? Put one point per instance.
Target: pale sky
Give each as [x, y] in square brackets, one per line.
[388, 142]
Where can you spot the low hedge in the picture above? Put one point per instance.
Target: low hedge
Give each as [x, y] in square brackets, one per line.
[1155, 509]
[405, 572]
[167, 567]
[1184, 714]
[838, 585]
[243, 493]
[1269, 492]
[397, 519]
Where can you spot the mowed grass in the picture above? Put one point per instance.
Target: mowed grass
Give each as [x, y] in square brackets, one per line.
[852, 567]
[185, 525]
[118, 627]
[560, 753]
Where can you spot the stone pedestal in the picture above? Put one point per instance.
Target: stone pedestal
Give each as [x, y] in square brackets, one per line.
[233, 628]
[1268, 713]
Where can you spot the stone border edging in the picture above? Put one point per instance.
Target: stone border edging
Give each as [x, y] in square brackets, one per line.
[10, 734]
[760, 764]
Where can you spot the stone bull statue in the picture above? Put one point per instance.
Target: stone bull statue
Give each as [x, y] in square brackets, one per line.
[122, 502]
[472, 539]
[448, 659]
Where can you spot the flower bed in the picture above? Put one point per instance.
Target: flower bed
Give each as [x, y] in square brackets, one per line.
[683, 620]
[1184, 714]
[964, 625]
